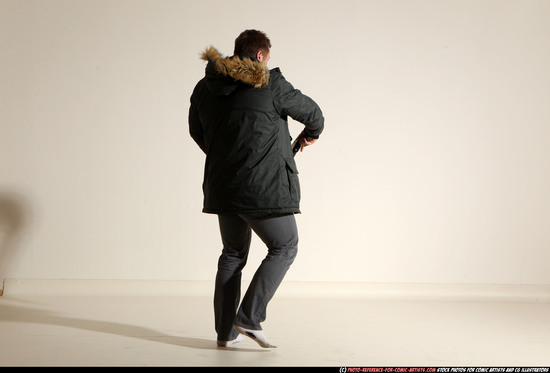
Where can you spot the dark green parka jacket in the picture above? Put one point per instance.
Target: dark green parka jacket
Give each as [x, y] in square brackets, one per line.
[238, 117]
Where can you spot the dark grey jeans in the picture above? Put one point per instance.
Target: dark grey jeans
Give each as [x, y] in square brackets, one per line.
[280, 235]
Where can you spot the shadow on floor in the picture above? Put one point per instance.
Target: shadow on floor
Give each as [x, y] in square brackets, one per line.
[33, 315]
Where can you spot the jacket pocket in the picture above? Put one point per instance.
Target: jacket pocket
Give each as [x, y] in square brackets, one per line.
[293, 182]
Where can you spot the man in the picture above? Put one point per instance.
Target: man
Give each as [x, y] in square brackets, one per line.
[238, 117]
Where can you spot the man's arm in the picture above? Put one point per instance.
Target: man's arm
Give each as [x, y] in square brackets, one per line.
[195, 126]
[293, 103]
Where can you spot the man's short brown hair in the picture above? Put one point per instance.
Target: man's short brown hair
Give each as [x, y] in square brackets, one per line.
[249, 42]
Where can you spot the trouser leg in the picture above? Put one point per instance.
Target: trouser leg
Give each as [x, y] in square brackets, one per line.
[280, 235]
[236, 236]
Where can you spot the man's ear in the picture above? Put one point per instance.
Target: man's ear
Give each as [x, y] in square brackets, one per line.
[260, 55]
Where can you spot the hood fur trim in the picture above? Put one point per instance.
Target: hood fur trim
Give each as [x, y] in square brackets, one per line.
[245, 70]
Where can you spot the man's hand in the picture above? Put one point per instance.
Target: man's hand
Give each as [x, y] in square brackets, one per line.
[305, 143]
[302, 138]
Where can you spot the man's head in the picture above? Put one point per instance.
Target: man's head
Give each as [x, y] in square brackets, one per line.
[253, 43]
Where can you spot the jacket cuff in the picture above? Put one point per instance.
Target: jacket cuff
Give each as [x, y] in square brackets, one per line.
[309, 137]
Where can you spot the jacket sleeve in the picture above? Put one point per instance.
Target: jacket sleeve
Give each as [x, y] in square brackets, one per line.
[293, 103]
[195, 126]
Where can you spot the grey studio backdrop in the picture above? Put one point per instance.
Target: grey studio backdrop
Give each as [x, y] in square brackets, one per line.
[434, 166]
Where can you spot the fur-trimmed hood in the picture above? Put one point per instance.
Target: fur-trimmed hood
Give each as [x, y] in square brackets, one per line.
[246, 70]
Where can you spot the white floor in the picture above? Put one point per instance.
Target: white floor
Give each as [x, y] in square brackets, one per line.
[366, 330]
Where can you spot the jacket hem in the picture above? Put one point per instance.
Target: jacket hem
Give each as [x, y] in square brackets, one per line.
[252, 212]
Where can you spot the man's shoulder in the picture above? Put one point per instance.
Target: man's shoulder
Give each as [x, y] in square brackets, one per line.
[275, 74]
[199, 86]
[277, 80]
